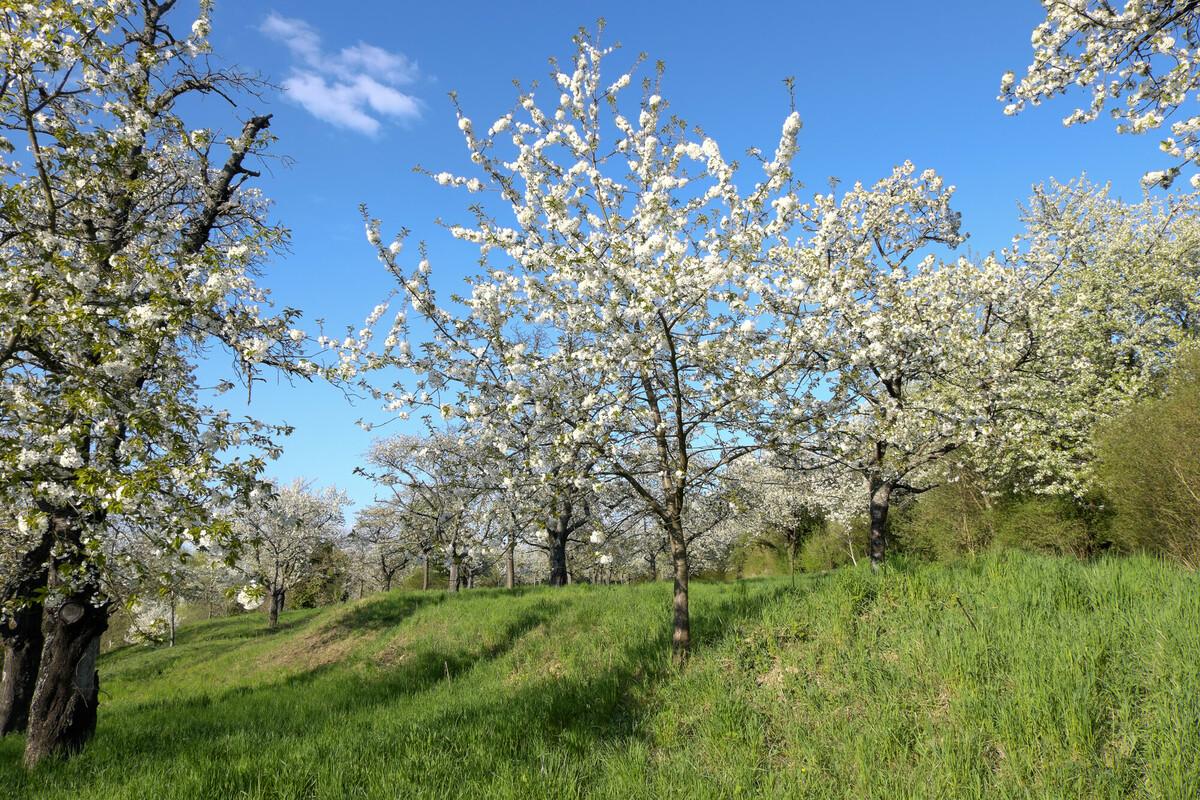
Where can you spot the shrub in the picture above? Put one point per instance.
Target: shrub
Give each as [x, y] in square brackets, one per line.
[965, 518]
[1149, 464]
[833, 545]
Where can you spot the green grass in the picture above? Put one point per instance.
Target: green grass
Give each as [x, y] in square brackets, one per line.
[1010, 676]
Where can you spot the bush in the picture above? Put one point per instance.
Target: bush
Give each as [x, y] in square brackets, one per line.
[963, 518]
[946, 523]
[1149, 464]
[833, 545]
[1044, 525]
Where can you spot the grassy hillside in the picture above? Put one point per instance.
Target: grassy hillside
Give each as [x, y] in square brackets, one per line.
[1013, 676]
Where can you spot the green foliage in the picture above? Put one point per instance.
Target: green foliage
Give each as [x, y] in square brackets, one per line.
[758, 559]
[832, 546]
[1039, 524]
[1012, 676]
[1150, 467]
[961, 519]
[327, 582]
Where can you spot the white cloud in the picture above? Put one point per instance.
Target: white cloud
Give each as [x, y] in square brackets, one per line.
[356, 87]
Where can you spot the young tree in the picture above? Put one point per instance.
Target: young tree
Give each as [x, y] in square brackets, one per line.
[129, 239]
[282, 531]
[1148, 466]
[1138, 60]
[920, 355]
[434, 481]
[383, 530]
[630, 241]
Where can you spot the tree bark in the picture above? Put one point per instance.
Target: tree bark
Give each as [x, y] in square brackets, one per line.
[425, 574]
[62, 716]
[510, 565]
[791, 553]
[23, 643]
[23, 639]
[558, 556]
[452, 582]
[881, 494]
[278, 596]
[681, 633]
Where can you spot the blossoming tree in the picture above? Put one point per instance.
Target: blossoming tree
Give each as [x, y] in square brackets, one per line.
[1139, 60]
[919, 354]
[387, 541]
[1118, 293]
[278, 533]
[627, 237]
[129, 240]
[434, 482]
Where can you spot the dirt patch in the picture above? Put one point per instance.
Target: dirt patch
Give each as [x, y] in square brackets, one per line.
[777, 676]
[526, 672]
[314, 649]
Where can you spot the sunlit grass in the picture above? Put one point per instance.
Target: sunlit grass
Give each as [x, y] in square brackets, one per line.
[1011, 676]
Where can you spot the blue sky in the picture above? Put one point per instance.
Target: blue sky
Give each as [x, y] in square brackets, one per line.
[366, 82]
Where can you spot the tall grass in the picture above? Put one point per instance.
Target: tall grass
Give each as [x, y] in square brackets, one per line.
[1010, 676]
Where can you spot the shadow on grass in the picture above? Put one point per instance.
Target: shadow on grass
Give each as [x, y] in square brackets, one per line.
[291, 706]
[518, 724]
[383, 612]
[138, 662]
[578, 716]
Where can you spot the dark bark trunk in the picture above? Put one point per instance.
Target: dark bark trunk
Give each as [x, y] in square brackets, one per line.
[681, 632]
[558, 556]
[425, 574]
[62, 717]
[881, 494]
[22, 652]
[387, 583]
[22, 638]
[452, 583]
[277, 599]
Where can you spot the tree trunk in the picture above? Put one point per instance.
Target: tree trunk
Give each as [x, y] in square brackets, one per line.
[62, 717]
[510, 565]
[277, 600]
[681, 633]
[23, 643]
[452, 583]
[881, 494]
[22, 638]
[653, 565]
[558, 557]
[172, 644]
[387, 583]
[425, 574]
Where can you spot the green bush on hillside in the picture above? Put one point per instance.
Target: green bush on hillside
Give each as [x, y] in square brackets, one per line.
[1149, 465]
[963, 518]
